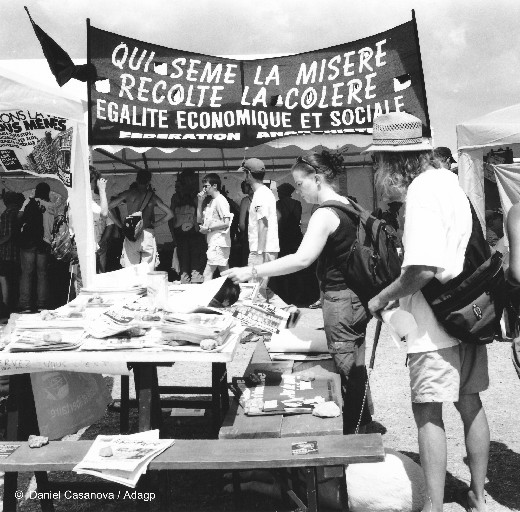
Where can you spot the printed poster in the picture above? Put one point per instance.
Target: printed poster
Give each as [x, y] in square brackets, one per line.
[68, 401]
[37, 143]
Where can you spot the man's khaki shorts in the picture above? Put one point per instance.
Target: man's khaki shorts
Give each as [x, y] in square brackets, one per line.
[443, 375]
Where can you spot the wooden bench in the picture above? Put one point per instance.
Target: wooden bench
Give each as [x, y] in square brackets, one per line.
[197, 454]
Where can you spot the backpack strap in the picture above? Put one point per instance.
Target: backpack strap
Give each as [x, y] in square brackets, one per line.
[356, 211]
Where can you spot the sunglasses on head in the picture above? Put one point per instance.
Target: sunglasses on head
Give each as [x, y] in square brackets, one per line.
[244, 167]
[303, 160]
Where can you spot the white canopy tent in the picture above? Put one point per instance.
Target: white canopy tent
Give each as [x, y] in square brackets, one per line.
[474, 137]
[21, 93]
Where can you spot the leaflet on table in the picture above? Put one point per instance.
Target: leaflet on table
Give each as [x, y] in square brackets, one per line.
[299, 340]
[44, 340]
[261, 316]
[122, 459]
[116, 319]
[186, 298]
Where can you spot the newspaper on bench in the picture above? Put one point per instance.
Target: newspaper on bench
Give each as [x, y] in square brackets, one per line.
[122, 459]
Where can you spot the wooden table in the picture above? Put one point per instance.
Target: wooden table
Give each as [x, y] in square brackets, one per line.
[21, 416]
[237, 425]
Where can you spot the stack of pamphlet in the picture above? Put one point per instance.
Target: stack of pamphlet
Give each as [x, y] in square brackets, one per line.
[122, 459]
[44, 340]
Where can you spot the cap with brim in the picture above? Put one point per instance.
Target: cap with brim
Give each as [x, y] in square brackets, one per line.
[252, 165]
[398, 132]
[445, 153]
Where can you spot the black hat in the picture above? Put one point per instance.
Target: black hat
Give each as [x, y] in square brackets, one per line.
[444, 154]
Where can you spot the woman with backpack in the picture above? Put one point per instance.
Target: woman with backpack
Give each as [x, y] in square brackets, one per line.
[329, 237]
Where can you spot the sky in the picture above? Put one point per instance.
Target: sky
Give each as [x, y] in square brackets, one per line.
[470, 48]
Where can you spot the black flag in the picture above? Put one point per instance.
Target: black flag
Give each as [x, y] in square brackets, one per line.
[59, 61]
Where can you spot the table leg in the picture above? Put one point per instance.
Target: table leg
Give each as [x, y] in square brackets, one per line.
[124, 410]
[10, 487]
[218, 381]
[147, 389]
[42, 484]
[343, 492]
[21, 421]
[312, 491]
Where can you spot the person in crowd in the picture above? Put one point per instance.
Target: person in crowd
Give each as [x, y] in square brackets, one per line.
[34, 257]
[111, 242]
[215, 221]
[289, 215]
[444, 157]
[513, 235]
[184, 229]
[329, 237]
[437, 229]
[243, 222]
[142, 199]
[494, 227]
[263, 222]
[9, 252]
[234, 230]
[99, 207]
[391, 216]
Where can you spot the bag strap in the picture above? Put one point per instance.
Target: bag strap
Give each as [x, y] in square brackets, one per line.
[434, 288]
[148, 195]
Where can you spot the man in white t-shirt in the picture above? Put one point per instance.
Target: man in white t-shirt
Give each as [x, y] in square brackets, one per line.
[263, 220]
[438, 224]
[215, 221]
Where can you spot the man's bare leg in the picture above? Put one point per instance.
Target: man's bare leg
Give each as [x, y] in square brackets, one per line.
[476, 433]
[432, 449]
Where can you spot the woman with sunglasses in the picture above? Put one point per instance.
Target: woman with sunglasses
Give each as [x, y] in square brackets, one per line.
[329, 237]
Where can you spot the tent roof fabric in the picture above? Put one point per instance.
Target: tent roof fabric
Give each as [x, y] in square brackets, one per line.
[19, 90]
[498, 128]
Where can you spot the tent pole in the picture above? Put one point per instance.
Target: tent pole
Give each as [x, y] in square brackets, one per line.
[117, 159]
[423, 88]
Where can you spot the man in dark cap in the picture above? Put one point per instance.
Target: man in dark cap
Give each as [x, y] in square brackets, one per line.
[443, 154]
[263, 222]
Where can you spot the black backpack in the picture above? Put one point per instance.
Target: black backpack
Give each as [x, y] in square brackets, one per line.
[63, 245]
[373, 261]
[30, 226]
[131, 221]
[470, 306]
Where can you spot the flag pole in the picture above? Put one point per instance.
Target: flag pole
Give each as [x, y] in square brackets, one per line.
[426, 112]
[89, 85]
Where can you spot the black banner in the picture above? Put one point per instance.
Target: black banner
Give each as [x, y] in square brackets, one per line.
[149, 95]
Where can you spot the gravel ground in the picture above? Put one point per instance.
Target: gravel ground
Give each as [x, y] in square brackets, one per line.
[203, 491]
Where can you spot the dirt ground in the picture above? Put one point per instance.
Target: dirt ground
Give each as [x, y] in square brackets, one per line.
[203, 491]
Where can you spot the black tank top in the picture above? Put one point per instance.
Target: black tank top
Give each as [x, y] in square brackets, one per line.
[335, 251]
